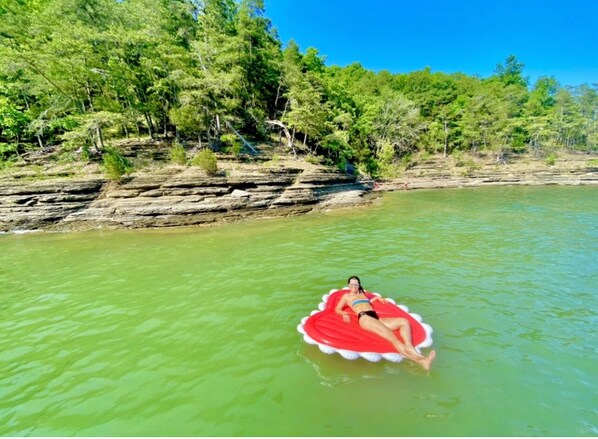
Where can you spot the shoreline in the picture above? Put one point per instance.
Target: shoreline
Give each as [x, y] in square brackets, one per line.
[439, 173]
[180, 196]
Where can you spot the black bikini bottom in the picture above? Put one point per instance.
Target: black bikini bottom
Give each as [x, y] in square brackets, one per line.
[368, 313]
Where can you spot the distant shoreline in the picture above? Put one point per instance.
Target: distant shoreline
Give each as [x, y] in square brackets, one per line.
[570, 169]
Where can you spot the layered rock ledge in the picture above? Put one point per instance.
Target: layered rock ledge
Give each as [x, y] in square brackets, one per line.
[173, 196]
[170, 195]
[571, 169]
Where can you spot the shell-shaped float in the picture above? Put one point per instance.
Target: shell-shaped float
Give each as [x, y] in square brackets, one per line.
[326, 329]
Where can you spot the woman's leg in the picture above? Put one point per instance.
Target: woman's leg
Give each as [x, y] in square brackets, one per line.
[394, 323]
[384, 328]
[404, 327]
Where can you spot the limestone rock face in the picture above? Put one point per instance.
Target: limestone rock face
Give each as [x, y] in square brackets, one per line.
[174, 197]
[25, 206]
[182, 196]
[435, 173]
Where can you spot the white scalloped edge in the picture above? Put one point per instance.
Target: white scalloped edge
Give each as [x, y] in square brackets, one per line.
[369, 356]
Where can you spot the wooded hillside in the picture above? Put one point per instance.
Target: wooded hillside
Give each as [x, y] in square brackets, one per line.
[76, 74]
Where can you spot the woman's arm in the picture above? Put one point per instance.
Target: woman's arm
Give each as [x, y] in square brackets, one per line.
[339, 308]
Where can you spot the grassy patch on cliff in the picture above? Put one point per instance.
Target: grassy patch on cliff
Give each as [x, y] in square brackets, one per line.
[139, 156]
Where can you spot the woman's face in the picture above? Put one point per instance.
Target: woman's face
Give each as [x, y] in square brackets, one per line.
[354, 285]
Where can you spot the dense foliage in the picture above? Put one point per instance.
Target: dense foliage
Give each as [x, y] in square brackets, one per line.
[77, 73]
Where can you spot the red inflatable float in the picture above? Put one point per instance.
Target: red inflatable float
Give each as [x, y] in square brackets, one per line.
[327, 329]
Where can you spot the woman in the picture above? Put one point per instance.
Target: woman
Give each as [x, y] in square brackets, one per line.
[384, 327]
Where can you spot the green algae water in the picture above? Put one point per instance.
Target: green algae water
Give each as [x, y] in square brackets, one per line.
[192, 332]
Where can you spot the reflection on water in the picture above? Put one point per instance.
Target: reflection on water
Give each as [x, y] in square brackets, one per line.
[192, 332]
[334, 370]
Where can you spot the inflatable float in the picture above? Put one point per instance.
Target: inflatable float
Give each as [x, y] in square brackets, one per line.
[326, 329]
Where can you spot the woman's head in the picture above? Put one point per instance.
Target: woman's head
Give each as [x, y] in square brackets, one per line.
[355, 284]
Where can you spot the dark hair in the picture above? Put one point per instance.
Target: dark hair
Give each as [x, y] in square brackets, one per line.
[358, 280]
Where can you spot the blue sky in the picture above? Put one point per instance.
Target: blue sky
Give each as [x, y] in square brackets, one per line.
[551, 37]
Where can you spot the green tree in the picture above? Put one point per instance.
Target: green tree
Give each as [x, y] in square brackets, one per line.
[395, 123]
[79, 72]
[541, 97]
[260, 61]
[305, 110]
[511, 72]
[211, 84]
[567, 120]
[484, 122]
[536, 113]
[587, 96]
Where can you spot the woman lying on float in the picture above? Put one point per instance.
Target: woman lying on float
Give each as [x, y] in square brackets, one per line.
[369, 320]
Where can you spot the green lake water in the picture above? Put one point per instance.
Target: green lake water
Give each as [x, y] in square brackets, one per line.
[192, 332]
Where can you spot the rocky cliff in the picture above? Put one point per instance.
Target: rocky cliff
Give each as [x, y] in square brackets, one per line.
[437, 172]
[169, 195]
[172, 196]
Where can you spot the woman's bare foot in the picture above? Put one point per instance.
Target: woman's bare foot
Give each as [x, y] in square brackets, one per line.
[427, 363]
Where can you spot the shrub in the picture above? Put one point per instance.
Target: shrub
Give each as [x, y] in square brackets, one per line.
[391, 170]
[458, 158]
[115, 164]
[206, 160]
[314, 160]
[273, 162]
[8, 154]
[177, 154]
[232, 144]
[551, 159]
[8, 151]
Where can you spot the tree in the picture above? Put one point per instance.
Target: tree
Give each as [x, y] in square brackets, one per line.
[484, 122]
[340, 140]
[587, 96]
[13, 125]
[511, 72]
[260, 60]
[210, 79]
[442, 130]
[567, 120]
[305, 110]
[541, 97]
[396, 122]
[537, 123]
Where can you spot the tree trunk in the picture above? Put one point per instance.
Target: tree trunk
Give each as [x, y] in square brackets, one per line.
[285, 130]
[150, 125]
[277, 95]
[293, 142]
[100, 137]
[95, 148]
[39, 139]
[445, 138]
[89, 99]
